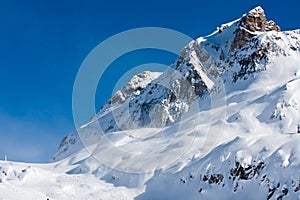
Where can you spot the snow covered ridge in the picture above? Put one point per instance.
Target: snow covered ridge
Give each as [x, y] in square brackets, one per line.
[242, 145]
[235, 52]
[198, 70]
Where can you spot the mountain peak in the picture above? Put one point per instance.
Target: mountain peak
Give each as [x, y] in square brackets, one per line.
[256, 20]
[251, 24]
[257, 11]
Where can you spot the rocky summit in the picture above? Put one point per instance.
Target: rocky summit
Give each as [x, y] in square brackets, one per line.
[253, 21]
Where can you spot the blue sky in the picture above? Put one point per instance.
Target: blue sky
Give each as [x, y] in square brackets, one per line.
[43, 44]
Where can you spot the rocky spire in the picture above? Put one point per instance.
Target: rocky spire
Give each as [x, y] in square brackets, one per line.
[256, 20]
[251, 23]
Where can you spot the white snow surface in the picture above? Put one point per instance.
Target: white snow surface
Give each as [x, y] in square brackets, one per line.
[240, 140]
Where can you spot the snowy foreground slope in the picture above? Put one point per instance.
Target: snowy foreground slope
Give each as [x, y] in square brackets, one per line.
[224, 123]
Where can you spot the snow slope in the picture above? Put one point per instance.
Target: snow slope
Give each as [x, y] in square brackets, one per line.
[50, 181]
[222, 123]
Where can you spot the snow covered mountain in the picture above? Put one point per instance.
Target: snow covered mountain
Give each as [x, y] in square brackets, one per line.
[222, 123]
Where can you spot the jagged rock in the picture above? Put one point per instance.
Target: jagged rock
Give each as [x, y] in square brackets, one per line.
[256, 20]
[247, 172]
[136, 84]
[253, 21]
[213, 178]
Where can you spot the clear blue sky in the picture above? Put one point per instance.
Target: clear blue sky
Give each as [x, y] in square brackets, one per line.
[43, 43]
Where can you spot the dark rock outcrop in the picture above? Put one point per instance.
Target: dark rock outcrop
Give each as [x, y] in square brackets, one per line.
[250, 23]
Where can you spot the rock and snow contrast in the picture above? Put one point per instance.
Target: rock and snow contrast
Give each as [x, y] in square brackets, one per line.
[222, 123]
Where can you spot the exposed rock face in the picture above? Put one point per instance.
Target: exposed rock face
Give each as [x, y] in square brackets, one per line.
[162, 101]
[253, 21]
[256, 20]
[165, 100]
[135, 85]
